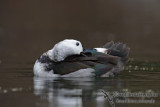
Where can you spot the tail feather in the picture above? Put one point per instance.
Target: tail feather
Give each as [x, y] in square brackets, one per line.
[118, 49]
[108, 45]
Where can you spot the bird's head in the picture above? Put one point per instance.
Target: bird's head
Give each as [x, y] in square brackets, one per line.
[64, 49]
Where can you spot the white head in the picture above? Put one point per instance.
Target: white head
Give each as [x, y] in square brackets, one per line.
[64, 49]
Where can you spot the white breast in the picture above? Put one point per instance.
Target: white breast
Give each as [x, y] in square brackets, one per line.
[39, 70]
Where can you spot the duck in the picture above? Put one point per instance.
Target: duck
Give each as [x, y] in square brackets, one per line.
[68, 58]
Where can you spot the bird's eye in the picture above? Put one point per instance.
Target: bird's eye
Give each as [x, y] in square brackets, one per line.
[77, 44]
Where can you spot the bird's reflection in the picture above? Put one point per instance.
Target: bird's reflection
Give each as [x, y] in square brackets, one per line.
[74, 92]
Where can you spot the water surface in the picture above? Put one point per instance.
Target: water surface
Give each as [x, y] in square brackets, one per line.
[18, 87]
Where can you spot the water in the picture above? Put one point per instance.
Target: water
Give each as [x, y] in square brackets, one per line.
[18, 87]
[28, 28]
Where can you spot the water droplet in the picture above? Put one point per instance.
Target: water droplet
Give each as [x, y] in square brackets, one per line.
[5, 91]
[20, 89]
[143, 69]
[125, 90]
[130, 66]
[149, 90]
[152, 69]
[14, 89]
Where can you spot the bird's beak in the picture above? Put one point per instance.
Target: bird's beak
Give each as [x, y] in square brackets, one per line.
[83, 53]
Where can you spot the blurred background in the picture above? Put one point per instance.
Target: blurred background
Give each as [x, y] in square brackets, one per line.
[30, 27]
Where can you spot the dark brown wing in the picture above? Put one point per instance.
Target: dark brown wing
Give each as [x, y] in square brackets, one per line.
[101, 63]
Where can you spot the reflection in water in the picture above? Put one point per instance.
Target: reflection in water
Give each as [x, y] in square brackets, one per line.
[78, 92]
[45, 88]
[70, 92]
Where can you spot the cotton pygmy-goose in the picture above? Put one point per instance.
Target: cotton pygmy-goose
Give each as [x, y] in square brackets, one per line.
[69, 59]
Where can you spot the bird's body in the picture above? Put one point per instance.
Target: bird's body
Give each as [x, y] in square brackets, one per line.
[104, 61]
